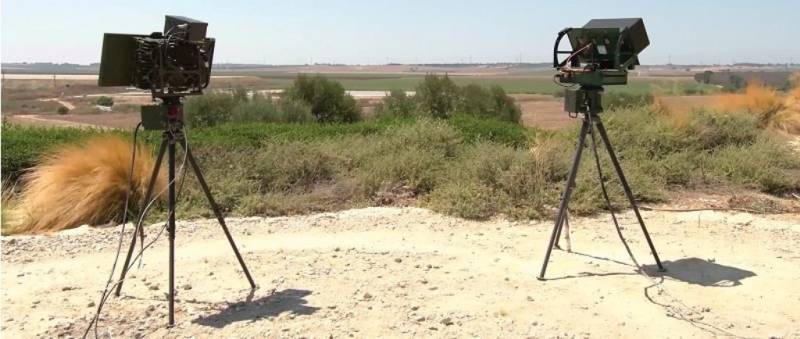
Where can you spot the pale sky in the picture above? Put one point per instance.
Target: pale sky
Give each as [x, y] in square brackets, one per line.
[378, 32]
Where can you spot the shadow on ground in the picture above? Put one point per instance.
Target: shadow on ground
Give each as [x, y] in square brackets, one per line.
[701, 272]
[289, 300]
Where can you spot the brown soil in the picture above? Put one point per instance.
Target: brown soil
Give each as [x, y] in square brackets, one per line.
[408, 272]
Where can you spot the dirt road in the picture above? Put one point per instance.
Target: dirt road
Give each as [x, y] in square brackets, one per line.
[408, 272]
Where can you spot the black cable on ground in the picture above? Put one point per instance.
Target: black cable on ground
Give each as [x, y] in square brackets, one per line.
[676, 312]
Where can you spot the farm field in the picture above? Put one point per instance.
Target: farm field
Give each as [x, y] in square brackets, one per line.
[32, 96]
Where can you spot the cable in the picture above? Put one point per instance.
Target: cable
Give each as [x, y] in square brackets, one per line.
[107, 291]
[560, 84]
[124, 215]
[676, 311]
[605, 192]
[648, 208]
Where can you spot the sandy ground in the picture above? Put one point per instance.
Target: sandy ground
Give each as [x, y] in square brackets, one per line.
[408, 272]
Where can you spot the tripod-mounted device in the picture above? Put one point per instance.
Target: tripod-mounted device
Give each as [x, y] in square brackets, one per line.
[172, 65]
[602, 52]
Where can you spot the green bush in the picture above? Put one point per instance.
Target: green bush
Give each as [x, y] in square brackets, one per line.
[709, 130]
[488, 103]
[327, 98]
[465, 166]
[104, 101]
[620, 100]
[237, 106]
[473, 129]
[397, 104]
[437, 96]
[62, 110]
[469, 200]
[261, 109]
[210, 109]
[23, 145]
[766, 165]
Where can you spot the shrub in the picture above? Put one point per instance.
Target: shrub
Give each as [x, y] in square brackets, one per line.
[327, 98]
[620, 100]
[761, 165]
[209, 110]
[104, 101]
[707, 131]
[397, 104]
[437, 96]
[474, 129]
[488, 103]
[469, 200]
[294, 111]
[23, 145]
[62, 110]
[261, 109]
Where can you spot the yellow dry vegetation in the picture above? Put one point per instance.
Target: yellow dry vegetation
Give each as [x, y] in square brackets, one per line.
[83, 183]
[773, 109]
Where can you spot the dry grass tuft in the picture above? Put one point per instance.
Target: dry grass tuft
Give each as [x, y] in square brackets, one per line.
[80, 184]
[776, 111]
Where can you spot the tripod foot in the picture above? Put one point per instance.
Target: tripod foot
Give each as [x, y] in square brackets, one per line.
[541, 278]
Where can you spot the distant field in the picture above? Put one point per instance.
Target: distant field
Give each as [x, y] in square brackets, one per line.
[536, 83]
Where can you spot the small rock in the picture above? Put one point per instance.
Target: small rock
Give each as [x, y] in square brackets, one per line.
[186, 287]
[153, 287]
[420, 319]
[447, 321]
[69, 288]
[90, 304]
[367, 296]
[398, 260]
[414, 308]
[529, 298]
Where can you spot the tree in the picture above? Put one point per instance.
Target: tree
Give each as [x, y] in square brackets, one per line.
[327, 98]
[438, 95]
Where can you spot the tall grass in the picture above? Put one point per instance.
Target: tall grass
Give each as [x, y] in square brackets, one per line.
[464, 166]
[773, 109]
[82, 183]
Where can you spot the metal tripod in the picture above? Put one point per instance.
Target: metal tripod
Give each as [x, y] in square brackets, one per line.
[174, 135]
[591, 120]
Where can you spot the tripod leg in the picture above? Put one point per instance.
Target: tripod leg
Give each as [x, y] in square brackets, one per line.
[139, 227]
[171, 229]
[561, 224]
[217, 212]
[627, 189]
[562, 209]
[566, 232]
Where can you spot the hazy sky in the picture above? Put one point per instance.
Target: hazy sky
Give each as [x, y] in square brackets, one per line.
[377, 32]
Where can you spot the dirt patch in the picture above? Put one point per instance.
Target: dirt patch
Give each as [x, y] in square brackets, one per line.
[408, 272]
